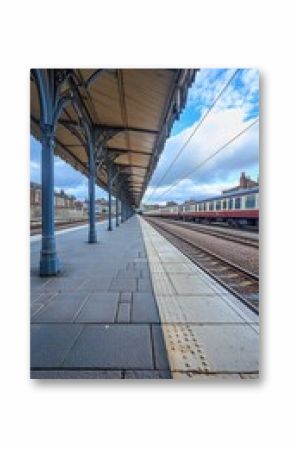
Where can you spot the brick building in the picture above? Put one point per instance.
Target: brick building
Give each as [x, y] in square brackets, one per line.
[245, 183]
[66, 206]
[61, 199]
[35, 194]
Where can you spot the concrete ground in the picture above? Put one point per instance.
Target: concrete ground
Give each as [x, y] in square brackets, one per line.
[208, 333]
[98, 318]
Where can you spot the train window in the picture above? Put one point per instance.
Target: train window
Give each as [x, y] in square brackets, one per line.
[250, 202]
[218, 205]
[211, 205]
[231, 203]
[224, 204]
[237, 203]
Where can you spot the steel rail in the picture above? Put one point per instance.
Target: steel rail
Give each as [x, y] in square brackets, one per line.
[222, 260]
[242, 240]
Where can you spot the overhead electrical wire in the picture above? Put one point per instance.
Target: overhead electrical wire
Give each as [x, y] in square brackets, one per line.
[209, 157]
[195, 130]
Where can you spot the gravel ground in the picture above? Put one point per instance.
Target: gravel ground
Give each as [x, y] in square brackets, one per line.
[246, 257]
[222, 230]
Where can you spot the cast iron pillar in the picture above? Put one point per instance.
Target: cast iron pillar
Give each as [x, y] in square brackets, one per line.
[49, 262]
[122, 211]
[126, 211]
[109, 171]
[117, 211]
[92, 238]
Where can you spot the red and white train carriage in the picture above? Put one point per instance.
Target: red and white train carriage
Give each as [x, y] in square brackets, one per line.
[237, 208]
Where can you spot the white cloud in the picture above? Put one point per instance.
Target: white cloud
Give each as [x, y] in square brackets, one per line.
[221, 171]
[34, 165]
[242, 92]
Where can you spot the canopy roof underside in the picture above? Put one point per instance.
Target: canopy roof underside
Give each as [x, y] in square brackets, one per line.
[140, 105]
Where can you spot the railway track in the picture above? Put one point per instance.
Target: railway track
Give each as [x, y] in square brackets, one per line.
[238, 281]
[36, 228]
[220, 234]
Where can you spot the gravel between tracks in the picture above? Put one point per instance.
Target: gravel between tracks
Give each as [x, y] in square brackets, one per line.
[246, 257]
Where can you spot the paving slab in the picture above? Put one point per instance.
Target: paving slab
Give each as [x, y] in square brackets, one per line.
[144, 285]
[144, 308]
[160, 355]
[145, 273]
[212, 348]
[125, 297]
[112, 346]
[124, 312]
[150, 374]
[100, 307]
[97, 283]
[190, 284]
[63, 284]
[198, 309]
[229, 347]
[61, 309]
[177, 268]
[75, 374]
[35, 308]
[124, 285]
[50, 343]
[128, 273]
[43, 298]
[191, 375]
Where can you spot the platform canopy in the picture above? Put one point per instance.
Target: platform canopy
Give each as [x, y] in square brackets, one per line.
[131, 111]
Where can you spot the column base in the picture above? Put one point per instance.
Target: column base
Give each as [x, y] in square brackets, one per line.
[92, 240]
[49, 265]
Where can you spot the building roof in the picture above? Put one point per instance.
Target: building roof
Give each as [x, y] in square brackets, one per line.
[140, 105]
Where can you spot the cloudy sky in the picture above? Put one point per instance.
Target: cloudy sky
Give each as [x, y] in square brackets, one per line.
[237, 108]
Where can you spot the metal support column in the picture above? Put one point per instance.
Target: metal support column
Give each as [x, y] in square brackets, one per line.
[117, 211]
[49, 262]
[126, 211]
[109, 171]
[92, 237]
[122, 211]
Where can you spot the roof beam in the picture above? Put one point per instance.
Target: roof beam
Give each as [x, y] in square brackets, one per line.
[131, 166]
[134, 176]
[128, 151]
[126, 128]
[116, 129]
[94, 77]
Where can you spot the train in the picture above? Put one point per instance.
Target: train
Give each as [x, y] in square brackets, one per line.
[237, 208]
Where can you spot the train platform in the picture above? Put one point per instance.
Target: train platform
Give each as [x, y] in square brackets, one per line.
[134, 307]
[98, 318]
[208, 332]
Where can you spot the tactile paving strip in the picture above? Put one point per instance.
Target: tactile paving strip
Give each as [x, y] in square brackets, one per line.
[184, 349]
